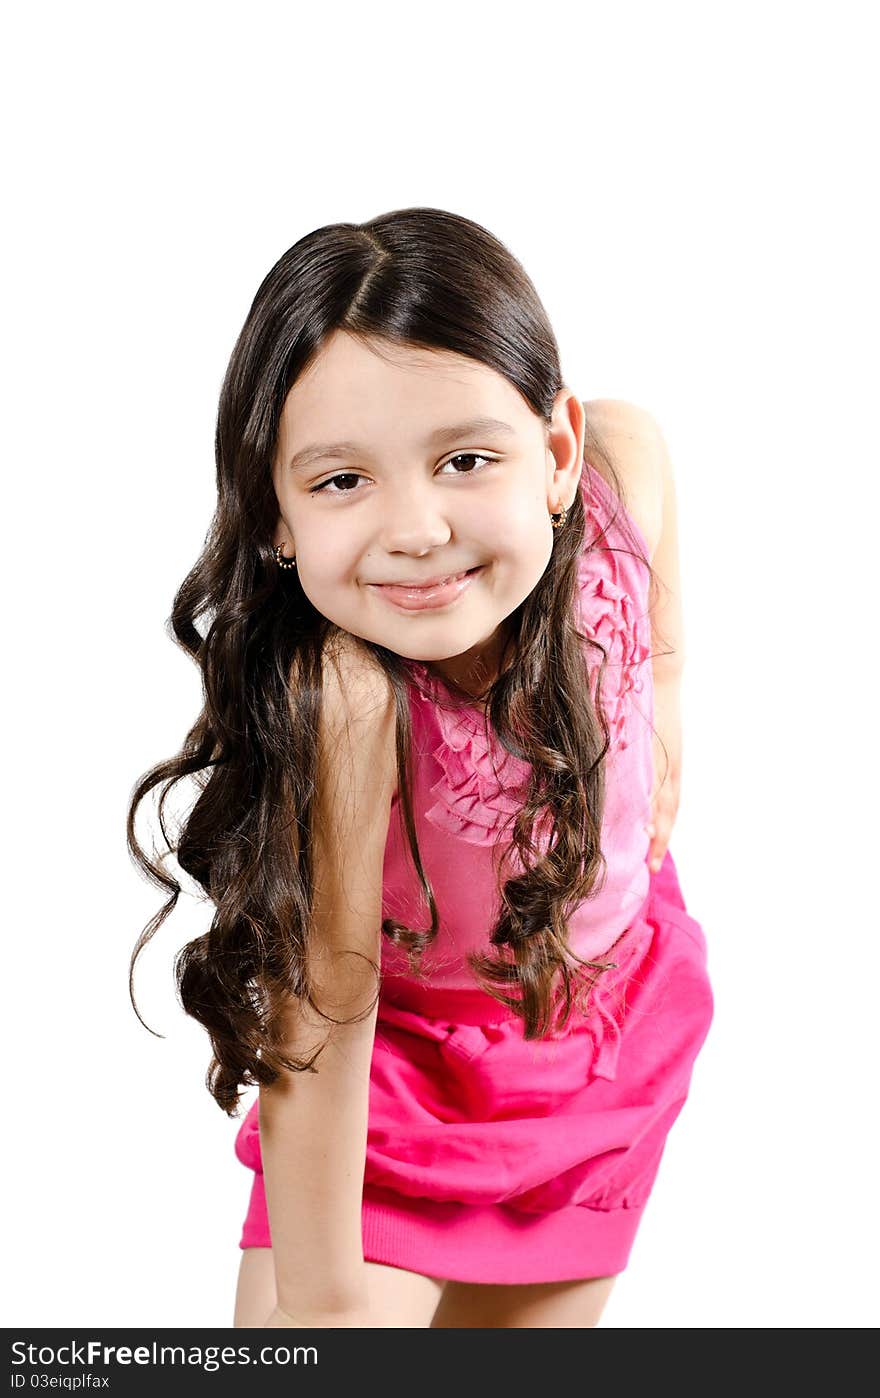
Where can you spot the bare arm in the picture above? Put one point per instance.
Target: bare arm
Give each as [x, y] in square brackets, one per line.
[313, 1126]
[668, 619]
[641, 457]
[642, 460]
[668, 657]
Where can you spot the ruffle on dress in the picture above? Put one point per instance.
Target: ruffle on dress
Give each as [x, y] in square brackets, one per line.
[482, 786]
[610, 616]
[612, 603]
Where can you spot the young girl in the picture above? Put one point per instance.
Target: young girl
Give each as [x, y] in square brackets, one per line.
[438, 764]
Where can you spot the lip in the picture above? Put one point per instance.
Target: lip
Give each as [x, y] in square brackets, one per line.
[438, 592]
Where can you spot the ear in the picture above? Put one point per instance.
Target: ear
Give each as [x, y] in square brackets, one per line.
[565, 450]
[283, 536]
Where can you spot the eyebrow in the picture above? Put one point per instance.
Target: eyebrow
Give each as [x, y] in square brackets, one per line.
[319, 451]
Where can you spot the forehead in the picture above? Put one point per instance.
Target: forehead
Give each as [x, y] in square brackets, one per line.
[363, 389]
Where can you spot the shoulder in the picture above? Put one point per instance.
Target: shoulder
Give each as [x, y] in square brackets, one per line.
[355, 687]
[350, 813]
[632, 437]
[357, 723]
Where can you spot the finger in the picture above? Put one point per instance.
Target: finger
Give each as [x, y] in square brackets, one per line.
[656, 848]
[651, 832]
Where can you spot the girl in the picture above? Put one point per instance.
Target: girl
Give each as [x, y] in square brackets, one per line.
[438, 764]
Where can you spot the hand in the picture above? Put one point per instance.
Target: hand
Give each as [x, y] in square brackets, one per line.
[667, 754]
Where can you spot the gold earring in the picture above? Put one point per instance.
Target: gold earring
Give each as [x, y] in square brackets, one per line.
[281, 560]
[559, 518]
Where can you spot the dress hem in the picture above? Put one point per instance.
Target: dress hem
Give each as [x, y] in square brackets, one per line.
[493, 1244]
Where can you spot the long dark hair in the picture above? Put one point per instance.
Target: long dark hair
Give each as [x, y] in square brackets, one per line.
[424, 278]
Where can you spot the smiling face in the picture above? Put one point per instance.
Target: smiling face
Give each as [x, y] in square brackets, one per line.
[411, 494]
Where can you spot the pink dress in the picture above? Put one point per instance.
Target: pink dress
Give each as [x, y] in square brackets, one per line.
[490, 1158]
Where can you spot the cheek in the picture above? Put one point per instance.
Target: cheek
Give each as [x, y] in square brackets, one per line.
[523, 551]
[326, 560]
[520, 540]
[324, 575]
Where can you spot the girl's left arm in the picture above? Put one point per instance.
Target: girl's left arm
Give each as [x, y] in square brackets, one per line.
[667, 631]
[634, 439]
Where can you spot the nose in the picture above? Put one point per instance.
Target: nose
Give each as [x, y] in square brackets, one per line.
[412, 520]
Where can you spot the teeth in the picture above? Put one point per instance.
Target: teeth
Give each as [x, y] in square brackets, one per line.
[421, 587]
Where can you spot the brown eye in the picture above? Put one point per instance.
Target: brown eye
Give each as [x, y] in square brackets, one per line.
[344, 476]
[467, 456]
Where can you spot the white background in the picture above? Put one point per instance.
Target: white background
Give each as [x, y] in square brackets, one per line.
[690, 188]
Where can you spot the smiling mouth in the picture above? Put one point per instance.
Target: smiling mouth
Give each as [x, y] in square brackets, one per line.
[421, 596]
[433, 582]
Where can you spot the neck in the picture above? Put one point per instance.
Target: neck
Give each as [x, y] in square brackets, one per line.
[477, 669]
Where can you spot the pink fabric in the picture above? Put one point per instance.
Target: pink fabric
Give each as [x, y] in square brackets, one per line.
[489, 1158]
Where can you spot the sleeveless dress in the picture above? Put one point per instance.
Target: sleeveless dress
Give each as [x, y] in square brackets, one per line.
[491, 1158]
